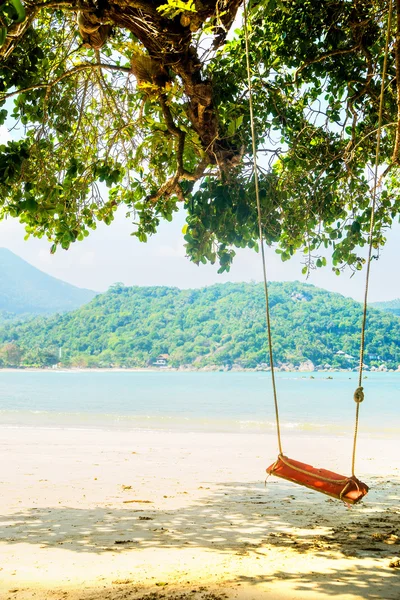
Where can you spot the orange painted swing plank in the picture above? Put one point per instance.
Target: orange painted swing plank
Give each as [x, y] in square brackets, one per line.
[348, 489]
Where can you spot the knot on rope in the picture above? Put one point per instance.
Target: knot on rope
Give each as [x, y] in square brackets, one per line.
[359, 395]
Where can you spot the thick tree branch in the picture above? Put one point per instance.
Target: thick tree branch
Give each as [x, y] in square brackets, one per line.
[169, 43]
[84, 6]
[396, 149]
[172, 186]
[15, 33]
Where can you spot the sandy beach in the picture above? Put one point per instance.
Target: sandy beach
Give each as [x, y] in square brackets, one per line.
[101, 515]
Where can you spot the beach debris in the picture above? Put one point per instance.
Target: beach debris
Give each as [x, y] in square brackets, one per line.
[145, 518]
[206, 595]
[161, 583]
[122, 581]
[139, 501]
[395, 564]
[125, 542]
[387, 538]
[126, 487]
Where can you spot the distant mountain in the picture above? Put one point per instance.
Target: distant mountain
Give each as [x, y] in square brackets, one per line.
[392, 306]
[24, 290]
[221, 325]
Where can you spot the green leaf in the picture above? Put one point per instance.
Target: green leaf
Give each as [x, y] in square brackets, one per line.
[176, 7]
[3, 35]
[234, 125]
[20, 10]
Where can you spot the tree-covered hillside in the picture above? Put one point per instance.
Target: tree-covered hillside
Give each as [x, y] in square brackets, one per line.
[218, 325]
[392, 306]
[26, 290]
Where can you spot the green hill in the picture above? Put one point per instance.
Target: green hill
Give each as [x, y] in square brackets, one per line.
[392, 306]
[219, 325]
[26, 291]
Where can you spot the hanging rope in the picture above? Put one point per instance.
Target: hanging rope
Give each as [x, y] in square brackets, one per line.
[359, 394]
[260, 233]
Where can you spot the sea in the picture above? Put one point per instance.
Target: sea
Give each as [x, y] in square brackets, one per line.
[239, 402]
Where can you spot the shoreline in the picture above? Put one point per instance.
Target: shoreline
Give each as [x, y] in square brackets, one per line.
[300, 434]
[182, 370]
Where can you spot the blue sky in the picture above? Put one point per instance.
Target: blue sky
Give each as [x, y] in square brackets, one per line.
[111, 254]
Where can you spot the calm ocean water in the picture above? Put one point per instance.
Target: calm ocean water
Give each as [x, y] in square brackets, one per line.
[234, 402]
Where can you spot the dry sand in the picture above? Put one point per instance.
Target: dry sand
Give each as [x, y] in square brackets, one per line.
[95, 515]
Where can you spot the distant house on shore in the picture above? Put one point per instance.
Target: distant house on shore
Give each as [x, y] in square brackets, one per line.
[161, 360]
[348, 356]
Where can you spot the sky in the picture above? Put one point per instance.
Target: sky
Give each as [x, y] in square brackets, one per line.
[110, 254]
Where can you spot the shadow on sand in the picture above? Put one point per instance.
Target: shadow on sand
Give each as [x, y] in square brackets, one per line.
[249, 522]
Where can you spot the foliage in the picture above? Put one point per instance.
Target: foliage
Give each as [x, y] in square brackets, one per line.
[392, 306]
[13, 317]
[218, 325]
[148, 107]
[11, 12]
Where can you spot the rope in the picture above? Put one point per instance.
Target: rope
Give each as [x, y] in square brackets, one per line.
[287, 462]
[260, 234]
[359, 394]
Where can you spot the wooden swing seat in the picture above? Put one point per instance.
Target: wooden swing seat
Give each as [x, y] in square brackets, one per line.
[348, 489]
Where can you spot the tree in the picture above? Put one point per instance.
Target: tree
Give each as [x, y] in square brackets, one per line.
[11, 355]
[150, 99]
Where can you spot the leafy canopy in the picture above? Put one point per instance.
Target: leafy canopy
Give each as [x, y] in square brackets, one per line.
[149, 101]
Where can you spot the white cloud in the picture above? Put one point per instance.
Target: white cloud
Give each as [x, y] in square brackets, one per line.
[44, 256]
[170, 251]
[87, 259]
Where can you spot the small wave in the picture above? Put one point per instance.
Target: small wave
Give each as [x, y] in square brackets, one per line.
[185, 423]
